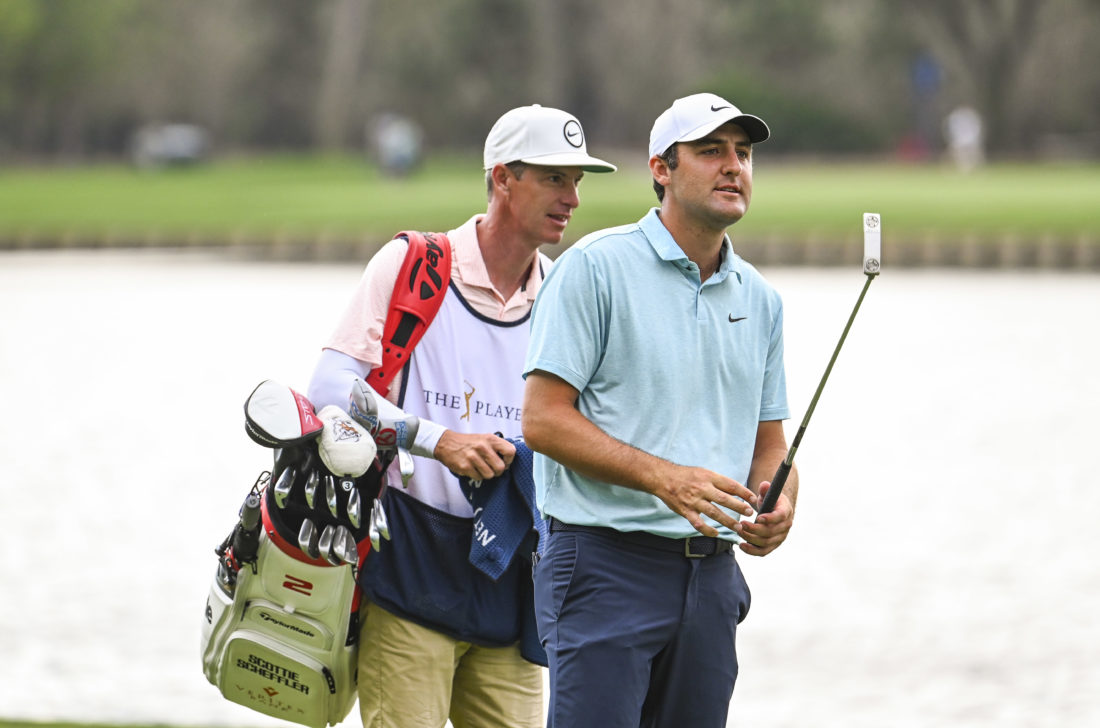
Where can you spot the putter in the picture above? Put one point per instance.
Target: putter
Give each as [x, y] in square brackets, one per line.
[283, 486]
[308, 539]
[312, 481]
[872, 263]
[355, 508]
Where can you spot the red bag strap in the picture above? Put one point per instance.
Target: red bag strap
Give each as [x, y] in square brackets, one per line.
[417, 295]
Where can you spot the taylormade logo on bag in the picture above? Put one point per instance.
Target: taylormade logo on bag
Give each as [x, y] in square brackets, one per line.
[267, 617]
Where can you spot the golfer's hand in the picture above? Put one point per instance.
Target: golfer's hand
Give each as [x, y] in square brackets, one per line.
[769, 529]
[476, 456]
[697, 492]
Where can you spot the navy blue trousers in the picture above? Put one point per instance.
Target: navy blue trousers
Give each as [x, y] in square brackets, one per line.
[637, 637]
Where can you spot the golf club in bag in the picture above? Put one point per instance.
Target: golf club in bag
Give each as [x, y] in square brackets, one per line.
[281, 618]
[872, 263]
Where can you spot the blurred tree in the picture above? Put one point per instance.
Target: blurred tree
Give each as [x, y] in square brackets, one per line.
[76, 77]
[987, 43]
[340, 72]
[61, 55]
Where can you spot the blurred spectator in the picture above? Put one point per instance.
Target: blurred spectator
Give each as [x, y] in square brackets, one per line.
[396, 142]
[963, 130]
[159, 145]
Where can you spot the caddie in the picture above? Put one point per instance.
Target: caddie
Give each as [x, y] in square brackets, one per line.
[439, 639]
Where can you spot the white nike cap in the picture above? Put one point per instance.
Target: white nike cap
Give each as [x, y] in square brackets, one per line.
[542, 136]
[693, 117]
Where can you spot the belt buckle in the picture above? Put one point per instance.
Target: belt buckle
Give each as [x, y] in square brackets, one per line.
[688, 552]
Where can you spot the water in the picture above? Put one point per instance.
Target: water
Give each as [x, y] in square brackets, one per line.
[941, 571]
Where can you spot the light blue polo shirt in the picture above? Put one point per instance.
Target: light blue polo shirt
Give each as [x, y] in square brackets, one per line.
[680, 369]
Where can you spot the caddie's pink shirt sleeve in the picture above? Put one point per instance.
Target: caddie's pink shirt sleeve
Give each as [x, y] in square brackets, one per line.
[359, 331]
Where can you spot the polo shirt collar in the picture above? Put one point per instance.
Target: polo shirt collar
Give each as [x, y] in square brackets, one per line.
[470, 265]
[666, 248]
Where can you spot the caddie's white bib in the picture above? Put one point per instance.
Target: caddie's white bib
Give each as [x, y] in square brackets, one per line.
[465, 374]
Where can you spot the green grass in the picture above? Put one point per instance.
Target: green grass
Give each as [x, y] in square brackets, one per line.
[308, 198]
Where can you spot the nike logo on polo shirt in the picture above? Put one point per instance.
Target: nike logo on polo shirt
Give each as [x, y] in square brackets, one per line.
[718, 108]
[735, 320]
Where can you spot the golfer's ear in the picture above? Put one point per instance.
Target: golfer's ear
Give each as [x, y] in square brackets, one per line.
[658, 167]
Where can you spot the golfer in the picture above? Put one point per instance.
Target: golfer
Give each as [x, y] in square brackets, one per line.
[655, 394]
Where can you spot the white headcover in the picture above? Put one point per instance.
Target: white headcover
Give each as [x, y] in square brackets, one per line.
[346, 448]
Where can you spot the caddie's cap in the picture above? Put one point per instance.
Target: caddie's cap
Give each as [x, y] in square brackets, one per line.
[542, 136]
[693, 117]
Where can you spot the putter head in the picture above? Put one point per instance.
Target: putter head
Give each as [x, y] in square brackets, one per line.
[872, 243]
[283, 486]
[308, 539]
[389, 432]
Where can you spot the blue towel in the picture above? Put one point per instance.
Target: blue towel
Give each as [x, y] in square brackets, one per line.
[505, 514]
[507, 522]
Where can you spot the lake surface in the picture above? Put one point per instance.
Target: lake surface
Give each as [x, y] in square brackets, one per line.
[942, 570]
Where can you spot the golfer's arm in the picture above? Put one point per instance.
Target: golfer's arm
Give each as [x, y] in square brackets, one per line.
[553, 426]
[770, 450]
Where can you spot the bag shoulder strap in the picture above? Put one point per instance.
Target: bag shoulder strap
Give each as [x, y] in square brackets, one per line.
[418, 293]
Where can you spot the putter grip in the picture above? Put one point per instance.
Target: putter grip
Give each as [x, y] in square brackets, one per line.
[776, 488]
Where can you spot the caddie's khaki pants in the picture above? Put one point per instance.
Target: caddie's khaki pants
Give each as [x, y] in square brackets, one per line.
[414, 677]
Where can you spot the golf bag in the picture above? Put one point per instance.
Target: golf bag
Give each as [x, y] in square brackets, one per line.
[281, 620]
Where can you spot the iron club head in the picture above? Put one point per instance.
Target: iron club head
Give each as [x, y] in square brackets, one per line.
[355, 508]
[312, 481]
[283, 486]
[308, 539]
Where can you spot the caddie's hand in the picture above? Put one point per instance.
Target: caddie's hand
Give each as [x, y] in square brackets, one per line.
[697, 492]
[477, 456]
[770, 529]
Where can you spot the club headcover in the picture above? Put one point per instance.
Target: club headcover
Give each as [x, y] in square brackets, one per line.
[346, 448]
[277, 416]
[391, 427]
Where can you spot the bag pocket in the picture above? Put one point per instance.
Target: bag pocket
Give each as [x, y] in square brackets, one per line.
[276, 679]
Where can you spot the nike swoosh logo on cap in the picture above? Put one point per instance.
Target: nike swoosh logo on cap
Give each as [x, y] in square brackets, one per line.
[572, 133]
[719, 108]
[735, 320]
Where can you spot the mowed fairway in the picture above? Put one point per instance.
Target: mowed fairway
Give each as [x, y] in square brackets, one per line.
[308, 199]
